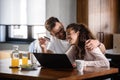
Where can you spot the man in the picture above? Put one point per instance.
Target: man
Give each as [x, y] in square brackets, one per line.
[58, 43]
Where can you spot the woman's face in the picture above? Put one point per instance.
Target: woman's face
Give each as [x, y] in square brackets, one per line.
[72, 36]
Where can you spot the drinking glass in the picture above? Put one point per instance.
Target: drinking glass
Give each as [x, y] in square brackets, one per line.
[80, 65]
[24, 58]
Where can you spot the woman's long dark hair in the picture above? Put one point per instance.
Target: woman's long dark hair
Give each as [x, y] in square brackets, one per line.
[84, 34]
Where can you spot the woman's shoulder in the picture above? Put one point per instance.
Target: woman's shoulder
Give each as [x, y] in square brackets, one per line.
[74, 47]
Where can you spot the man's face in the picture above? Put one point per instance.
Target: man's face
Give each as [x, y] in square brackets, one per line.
[58, 31]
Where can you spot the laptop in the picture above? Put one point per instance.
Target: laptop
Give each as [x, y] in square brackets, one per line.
[53, 60]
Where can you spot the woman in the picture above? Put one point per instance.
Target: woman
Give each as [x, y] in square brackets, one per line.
[77, 35]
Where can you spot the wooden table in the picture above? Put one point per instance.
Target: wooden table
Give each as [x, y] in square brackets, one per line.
[53, 74]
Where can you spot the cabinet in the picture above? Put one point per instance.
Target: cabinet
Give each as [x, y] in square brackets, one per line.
[102, 18]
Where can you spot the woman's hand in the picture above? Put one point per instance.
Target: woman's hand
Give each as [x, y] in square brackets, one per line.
[74, 65]
[91, 44]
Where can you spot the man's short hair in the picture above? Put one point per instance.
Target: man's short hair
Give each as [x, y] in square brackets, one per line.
[50, 23]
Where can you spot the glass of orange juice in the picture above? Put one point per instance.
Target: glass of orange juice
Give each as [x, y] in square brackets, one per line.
[15, 57]
[15, 62]
[24, 58]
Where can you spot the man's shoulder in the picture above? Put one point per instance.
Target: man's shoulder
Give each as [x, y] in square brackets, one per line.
[35, 41]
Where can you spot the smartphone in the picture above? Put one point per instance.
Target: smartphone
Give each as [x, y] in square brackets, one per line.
[48, 39]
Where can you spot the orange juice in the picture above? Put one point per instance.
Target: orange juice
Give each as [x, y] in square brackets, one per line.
[24, 60]
[15, 62]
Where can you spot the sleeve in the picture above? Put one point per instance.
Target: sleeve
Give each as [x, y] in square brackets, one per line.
[72, 53]
[35, 47]
[31, 47]
[99, 59]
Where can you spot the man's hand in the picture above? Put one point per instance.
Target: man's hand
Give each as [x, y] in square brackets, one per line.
[43, 43]
[91, 44]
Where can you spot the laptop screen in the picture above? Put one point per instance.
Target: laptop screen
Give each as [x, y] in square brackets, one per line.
[53, 60]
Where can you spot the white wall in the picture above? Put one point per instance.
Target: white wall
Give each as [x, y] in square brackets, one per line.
[36, 12]
[64, 10]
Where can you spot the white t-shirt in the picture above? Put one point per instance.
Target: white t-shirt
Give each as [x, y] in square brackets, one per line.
[55, 45]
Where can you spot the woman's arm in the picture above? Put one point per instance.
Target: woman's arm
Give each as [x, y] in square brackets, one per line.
[96, 58]
[102, 47]
[72, 53]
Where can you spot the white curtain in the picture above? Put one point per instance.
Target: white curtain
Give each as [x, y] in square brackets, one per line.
[31, 12]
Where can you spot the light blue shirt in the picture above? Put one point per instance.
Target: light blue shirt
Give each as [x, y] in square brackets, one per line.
[35, 47]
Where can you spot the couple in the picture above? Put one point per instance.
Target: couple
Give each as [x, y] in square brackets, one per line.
[80, 45]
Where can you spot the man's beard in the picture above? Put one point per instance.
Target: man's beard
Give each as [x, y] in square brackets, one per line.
[63, 37]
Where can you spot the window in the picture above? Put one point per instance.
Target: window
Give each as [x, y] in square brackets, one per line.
[38, 31]
[23, 34]
[19, 32]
